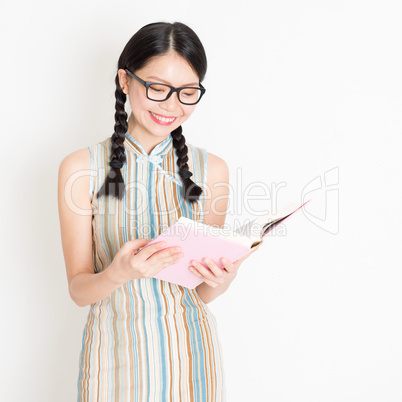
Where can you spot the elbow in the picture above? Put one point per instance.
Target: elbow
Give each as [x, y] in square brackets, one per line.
[79, 302]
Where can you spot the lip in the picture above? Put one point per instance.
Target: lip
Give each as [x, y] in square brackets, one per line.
[162, 123]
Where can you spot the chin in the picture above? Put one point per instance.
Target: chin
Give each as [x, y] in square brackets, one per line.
[164, 131]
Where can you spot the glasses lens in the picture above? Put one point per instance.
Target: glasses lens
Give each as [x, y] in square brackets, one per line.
[189, 96]
[158, 92]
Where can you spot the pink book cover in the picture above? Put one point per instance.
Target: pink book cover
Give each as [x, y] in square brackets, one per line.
[198, 240]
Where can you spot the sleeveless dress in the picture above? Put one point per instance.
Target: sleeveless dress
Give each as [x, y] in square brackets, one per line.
[149, 340]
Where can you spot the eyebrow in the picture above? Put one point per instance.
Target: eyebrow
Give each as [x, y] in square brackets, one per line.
[166, 82]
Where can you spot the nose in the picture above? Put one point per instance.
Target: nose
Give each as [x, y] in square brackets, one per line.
[172, 103]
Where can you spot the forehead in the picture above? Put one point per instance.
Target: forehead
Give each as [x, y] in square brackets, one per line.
[171, 68]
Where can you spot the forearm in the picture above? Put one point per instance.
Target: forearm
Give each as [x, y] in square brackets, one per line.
[208, 293]
[88, 288]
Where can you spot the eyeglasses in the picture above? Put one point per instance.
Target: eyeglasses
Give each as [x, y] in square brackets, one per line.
[160, 92]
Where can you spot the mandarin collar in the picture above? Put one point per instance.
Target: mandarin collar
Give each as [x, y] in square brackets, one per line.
[159, 150]
[155, 157]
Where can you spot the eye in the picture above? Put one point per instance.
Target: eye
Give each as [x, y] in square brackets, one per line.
[159, 89]
[189, 92]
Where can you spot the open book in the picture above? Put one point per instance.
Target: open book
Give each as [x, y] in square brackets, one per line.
[198, 241]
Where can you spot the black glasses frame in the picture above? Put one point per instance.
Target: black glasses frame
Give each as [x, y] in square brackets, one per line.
[172, 89]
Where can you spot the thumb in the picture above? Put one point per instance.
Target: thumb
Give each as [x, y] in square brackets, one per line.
[253, 250]
[134, 245]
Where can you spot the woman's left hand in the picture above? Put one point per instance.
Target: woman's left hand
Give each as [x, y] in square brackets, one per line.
[214, 275]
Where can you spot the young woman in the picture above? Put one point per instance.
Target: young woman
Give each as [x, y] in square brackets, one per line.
[146, 339]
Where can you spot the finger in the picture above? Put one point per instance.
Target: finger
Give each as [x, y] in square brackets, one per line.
[166, 262]
[210, 272]
[133, 245]
[211, 282]
[217, 270]
[228, 265]
[170, 256]
[150, 249]
[168, 253]
[241, 259]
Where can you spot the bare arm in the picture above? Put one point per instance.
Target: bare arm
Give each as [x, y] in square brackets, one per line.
[75, 214]
[76, 231]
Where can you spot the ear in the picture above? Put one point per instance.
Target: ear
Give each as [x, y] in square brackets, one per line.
[123, 80]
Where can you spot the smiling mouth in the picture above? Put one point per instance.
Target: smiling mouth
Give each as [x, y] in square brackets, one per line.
[164, 120]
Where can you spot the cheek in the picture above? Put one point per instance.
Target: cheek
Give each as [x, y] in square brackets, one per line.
[188, 111]
[140, 105]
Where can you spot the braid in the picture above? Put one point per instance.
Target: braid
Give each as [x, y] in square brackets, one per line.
[114, 183]
[191, 191]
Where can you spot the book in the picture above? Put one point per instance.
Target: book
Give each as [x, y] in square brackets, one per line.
[198, 240]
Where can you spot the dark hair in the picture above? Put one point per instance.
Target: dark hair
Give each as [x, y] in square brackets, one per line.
[153, 40]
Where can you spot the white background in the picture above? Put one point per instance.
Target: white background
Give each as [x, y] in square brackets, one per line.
[295, 89]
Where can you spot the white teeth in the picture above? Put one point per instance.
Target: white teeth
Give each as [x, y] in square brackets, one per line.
[163, 119]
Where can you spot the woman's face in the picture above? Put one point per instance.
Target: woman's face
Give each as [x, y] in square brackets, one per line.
[159, 119]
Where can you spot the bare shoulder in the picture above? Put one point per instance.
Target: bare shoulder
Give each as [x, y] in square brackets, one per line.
[77, 160]
[74, 179]
[217, 168]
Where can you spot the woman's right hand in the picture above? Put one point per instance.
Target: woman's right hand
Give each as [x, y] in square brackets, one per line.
[128, 264]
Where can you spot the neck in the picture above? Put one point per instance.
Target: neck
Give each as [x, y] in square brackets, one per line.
[147, 141]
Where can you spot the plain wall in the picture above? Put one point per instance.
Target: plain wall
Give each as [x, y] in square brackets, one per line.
[303, 97]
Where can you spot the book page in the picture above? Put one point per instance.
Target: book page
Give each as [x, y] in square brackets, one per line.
[259, 227]
[250, 230]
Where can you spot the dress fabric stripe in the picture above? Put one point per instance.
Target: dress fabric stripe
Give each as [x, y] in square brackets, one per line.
[149, 340]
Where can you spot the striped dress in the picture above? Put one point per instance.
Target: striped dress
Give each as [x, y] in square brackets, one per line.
[149, 340]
